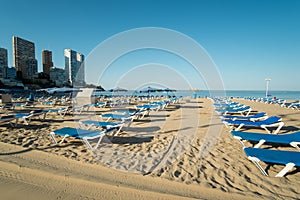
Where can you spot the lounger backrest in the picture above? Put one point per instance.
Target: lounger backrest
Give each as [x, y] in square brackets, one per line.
[272, 120]
[258, 115]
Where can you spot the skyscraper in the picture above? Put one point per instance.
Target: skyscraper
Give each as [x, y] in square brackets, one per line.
[3, 62]
[74, 67]
[24, 58]
[47, 61]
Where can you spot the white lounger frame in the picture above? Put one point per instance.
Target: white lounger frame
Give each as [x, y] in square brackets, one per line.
[262, 141]
[84, 139]
[279, 125]
[288, 167]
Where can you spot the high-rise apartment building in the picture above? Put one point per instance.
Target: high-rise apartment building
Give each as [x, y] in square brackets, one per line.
[24, 58]
[74, 67]
[58, 76]
[3, 62]
[47, 61]
[11, 73]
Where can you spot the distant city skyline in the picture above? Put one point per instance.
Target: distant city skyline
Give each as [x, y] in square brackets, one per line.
[248, 40]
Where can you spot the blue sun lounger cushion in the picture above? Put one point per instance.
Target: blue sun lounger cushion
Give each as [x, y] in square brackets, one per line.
[258, 116]
[85, 135]
[273, 121]
[122, 117]
[292, 139]
[288, 158]
[109, 126]
[242, 110]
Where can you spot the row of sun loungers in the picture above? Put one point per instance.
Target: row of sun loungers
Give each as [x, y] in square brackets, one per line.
[106, 126]
[25, 117]
[109, 123]
[256, 154]
[281, 102]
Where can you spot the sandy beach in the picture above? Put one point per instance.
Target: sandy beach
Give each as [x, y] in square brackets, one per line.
[182, 152]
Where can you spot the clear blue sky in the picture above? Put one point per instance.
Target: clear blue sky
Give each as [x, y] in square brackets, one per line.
[248, 40]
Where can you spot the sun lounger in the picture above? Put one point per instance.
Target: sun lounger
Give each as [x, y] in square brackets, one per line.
[37, 113]
[292, 139]
[23, 116]
[290, 159]
[49, 103]
[160, 104]
[26, 117]
[290, 104]
[224, 106]
[256, 117]
[7, 119]
[100, 104]
[146, 108]
[136, 113]
[60, 111]
[125, 118]
[273, 121]
[106, 125]
[294, 106]
[85, 135]
[241, 110]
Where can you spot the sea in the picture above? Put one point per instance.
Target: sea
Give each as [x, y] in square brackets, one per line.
[288, 95]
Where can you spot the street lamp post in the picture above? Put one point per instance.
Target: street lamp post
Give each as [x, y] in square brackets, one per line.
[267, 88]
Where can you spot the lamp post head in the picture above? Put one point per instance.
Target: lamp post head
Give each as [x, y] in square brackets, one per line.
[268, 79]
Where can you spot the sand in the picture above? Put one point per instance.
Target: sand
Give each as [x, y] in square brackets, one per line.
[181, 152]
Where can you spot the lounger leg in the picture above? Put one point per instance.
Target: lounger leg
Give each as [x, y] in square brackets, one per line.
[63, 139]
[25, 121]
[118, 131]
[256, 162]
[296, 145]
[239, 127]
[108, 119]
[17, 120]
[261, 142]
[264, 127]
[286, 169]
[11, 124]
[87, 144]
[248, 112]
[99, 141]
[53, 138]
[62, 113]
[281, 124]
[227, 125]
[80, 125]
[240, 140]
[129, 124]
